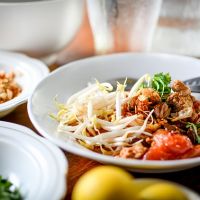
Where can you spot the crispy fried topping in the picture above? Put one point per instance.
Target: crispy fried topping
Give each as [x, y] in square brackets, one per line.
[9, 89]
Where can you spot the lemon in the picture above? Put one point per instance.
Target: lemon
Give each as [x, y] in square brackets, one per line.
[104, 183]
[162, 191]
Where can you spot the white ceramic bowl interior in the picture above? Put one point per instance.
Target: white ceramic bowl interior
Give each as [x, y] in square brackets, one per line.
[28, 73]
[32, 163]
[74, 76]
[40, 27]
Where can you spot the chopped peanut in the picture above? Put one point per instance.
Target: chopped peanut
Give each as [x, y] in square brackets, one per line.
[9, 89]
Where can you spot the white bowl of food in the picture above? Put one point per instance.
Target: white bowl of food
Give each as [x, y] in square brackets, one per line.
[31, 163]
[39, 27]
[19, 74]
[135, 130]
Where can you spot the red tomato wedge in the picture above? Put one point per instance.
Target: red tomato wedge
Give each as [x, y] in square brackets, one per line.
[195, 152]
[168, 146]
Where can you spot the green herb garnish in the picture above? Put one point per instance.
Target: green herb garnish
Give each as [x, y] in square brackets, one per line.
[7, 192]
[161, 83]
[195, 128]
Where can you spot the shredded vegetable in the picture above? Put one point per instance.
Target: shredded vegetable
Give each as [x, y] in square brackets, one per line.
[93, 117]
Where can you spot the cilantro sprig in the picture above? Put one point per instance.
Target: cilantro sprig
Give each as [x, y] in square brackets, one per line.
[161, 83]
[7, 192]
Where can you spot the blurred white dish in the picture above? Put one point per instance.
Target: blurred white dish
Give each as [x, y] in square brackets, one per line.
[35, 165]
[28, 73]
[40, 27]
[74, 76]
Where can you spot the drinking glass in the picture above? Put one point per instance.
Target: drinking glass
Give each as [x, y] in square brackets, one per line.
[123, 25]
[179, 25]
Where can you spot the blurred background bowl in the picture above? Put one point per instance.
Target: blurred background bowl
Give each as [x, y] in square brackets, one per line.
[28, 73]
[39, 28]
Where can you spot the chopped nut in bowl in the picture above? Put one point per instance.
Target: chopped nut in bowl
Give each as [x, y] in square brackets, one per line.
[19, 75]
[9, 89]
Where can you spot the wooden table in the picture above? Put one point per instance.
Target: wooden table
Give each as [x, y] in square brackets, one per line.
[80, 47]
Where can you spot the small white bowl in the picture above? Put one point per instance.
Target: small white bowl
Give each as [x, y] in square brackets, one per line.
[39, 27]
[28, 72]
[75, 76]
[32, 163]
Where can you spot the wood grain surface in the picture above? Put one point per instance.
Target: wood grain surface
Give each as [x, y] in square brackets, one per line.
[80, 47]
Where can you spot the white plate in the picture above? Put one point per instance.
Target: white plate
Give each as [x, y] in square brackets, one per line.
[34, 164]
[142, 183]
[28, 72]
[74, 76]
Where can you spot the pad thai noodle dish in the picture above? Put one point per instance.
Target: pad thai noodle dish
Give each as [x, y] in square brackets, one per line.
[157, 119]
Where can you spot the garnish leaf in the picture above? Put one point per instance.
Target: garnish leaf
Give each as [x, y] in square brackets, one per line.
[161, 83]
[7, 192]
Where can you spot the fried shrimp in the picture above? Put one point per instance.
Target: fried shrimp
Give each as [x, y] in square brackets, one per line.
[142, 101]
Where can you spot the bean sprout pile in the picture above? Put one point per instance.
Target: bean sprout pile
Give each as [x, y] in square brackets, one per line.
[93, 117]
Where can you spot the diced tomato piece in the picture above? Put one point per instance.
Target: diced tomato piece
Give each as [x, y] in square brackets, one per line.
[168, 145]
[194, 152]
[158, 153]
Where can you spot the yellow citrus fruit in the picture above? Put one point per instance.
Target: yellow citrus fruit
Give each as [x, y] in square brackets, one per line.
[104, 183]
[162, 191]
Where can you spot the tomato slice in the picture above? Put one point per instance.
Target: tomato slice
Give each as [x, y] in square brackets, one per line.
[168, 145]
[194, 152]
